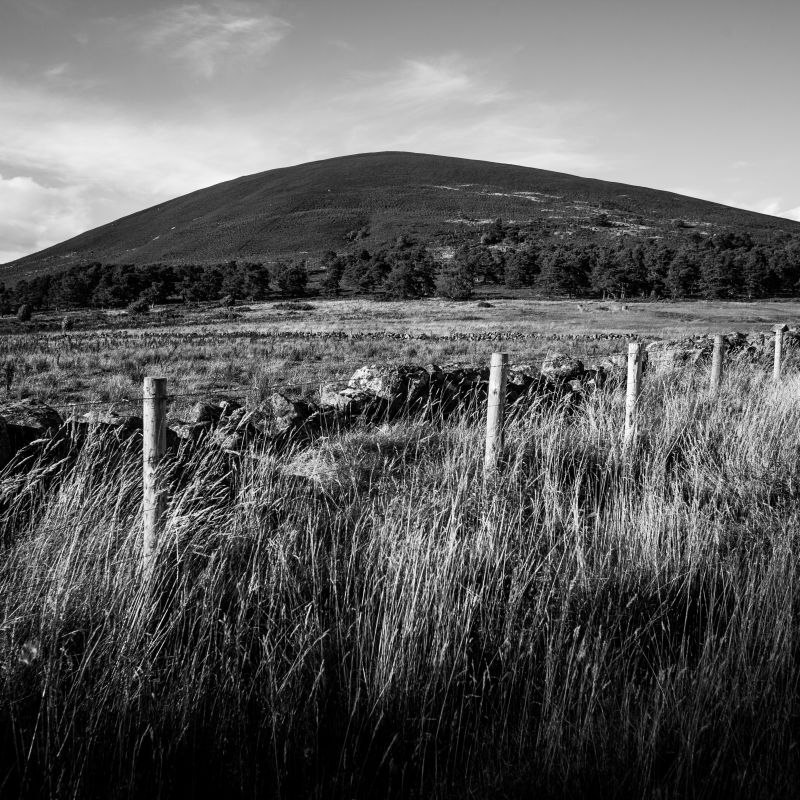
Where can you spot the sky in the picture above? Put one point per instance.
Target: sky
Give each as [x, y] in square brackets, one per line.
[111, 106]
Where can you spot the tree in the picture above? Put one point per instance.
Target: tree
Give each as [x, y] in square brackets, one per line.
[683, 274]
[334, 267]
[522, 267]
[290, 277]
[558, 275]
[233, 282]
[6, 299]
[755, 271]
[256, 280]
[412, 273]
[458, 280]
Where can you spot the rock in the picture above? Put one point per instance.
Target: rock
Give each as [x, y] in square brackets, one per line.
[288, 413]
[30, 413]
[204, 411]
[613, 363]
[190, 431]
[257, 420]
[319, 467]
[349, 400]
[560, 366]
[735, 341]
[665, 355]
[212, 410]
[122, 424]
[29, 420]
[522, 375]
[397, 385]
[231, 440]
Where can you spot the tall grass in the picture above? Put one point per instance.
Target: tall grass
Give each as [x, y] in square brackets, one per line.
[588, 624]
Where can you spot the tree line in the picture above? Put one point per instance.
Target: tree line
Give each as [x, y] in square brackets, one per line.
[727, 265]
[98, 285]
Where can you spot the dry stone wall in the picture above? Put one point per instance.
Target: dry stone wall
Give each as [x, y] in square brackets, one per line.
[372, 393]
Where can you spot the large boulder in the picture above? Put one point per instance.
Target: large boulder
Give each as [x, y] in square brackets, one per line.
[561, 367]
[663, 356]
[349, 401]
[396, 385]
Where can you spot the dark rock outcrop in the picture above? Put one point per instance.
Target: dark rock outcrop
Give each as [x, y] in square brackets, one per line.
[28, 421]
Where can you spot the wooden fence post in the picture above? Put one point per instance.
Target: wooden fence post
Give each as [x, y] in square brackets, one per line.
[716, 363]
[154, 397]
[495, 411]
[634, 387]
[776, 369]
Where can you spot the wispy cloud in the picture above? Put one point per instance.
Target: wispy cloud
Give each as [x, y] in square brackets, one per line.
[421, 83]
[57, 71]
[449, 104]
[205, 35]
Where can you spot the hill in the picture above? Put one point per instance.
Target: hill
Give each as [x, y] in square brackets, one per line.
[337, 203]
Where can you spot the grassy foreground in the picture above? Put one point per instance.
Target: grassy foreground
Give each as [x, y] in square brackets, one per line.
[589, 625]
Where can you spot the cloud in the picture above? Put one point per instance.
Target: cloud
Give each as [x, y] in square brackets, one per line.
[72, 164]
[791, 213]
[777, 208]
[203, 36]
[57, 71]
[452, 106]
[36, 216]
[420, 84]
[86, 161]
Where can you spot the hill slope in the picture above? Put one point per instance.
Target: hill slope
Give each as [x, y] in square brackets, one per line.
[374, 197]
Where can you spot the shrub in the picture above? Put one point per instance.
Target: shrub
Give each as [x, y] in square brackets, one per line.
[24, 313]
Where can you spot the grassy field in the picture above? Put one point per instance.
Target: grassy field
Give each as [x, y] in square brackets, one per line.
[590, 623]
[250, 349]
[587, 625]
